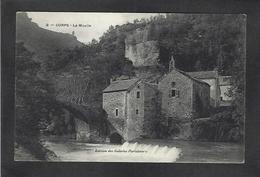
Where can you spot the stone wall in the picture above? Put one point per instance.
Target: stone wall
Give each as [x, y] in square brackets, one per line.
[135, 115]
[201, 100]
[87, 132]
[111, 102]
[82, 130]
[179, 106]
[224, 89]
[151, 110]
[135, 121]
[150, 74]
[214, 91]
[185, 131]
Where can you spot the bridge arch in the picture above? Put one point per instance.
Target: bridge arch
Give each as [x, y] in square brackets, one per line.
[115, 138]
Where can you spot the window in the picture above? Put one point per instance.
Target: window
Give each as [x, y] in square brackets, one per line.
[116, 112]
[173, 93]
[138, 86]
[136, 111]
[138, 94]
[173, 84]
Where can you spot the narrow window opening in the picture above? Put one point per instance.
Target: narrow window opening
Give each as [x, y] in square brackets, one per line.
[173, 84]
[138, 94]
[116, 112]
[173, 93]
[136, 111]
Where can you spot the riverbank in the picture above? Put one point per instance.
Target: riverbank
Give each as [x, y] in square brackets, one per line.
[191, 151]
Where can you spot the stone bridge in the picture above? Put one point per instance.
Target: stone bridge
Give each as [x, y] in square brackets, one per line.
[91, 124]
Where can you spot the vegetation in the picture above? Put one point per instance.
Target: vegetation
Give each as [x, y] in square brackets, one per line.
[39, 40]
[34, 97]
[198, 42]
[220, 127]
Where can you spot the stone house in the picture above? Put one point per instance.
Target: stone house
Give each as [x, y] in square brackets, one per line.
[219, 86]
[225, 85]
[134, 106]
[131, 107]
[210, 77]
[182, 96]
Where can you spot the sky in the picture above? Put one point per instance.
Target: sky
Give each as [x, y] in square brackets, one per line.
[93, 25]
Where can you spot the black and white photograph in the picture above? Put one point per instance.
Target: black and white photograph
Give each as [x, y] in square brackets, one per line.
[130, 87]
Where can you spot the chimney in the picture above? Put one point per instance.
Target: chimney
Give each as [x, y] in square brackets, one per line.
[111, 80]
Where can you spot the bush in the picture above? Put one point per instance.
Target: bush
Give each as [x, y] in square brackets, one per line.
[220, 127]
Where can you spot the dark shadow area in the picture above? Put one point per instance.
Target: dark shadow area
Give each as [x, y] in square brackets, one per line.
[115, 138]
[164, 57]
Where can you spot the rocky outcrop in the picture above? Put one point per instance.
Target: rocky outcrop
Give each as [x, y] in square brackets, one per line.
[140, 49]
[143, 54]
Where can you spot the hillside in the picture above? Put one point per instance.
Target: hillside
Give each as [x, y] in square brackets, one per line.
[40, 41]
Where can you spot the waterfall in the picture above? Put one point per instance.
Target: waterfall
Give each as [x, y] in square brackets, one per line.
[127, 152]
[149, 153]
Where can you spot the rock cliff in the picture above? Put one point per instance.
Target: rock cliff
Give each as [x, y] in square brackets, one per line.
[140, 49]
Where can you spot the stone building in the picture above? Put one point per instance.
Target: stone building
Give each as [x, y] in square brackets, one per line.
[134, 106]
[182, 96]
[225, 85]
[210, 77]
[219, 86]
[131, 107]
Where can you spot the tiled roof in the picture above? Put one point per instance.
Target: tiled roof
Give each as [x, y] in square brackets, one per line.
[121, 85]
[203, 74]
[191, 77]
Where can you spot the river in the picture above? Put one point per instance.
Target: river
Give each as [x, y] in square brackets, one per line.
[149, 150]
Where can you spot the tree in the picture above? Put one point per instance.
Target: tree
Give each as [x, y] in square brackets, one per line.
[33, 101]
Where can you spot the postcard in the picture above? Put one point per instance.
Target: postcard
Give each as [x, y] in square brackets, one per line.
[130, 87]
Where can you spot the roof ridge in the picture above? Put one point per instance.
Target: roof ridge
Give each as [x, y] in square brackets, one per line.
[115, 85]
[187, 75]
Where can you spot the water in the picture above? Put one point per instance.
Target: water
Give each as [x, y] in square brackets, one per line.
[128, 152]
[149, 151]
